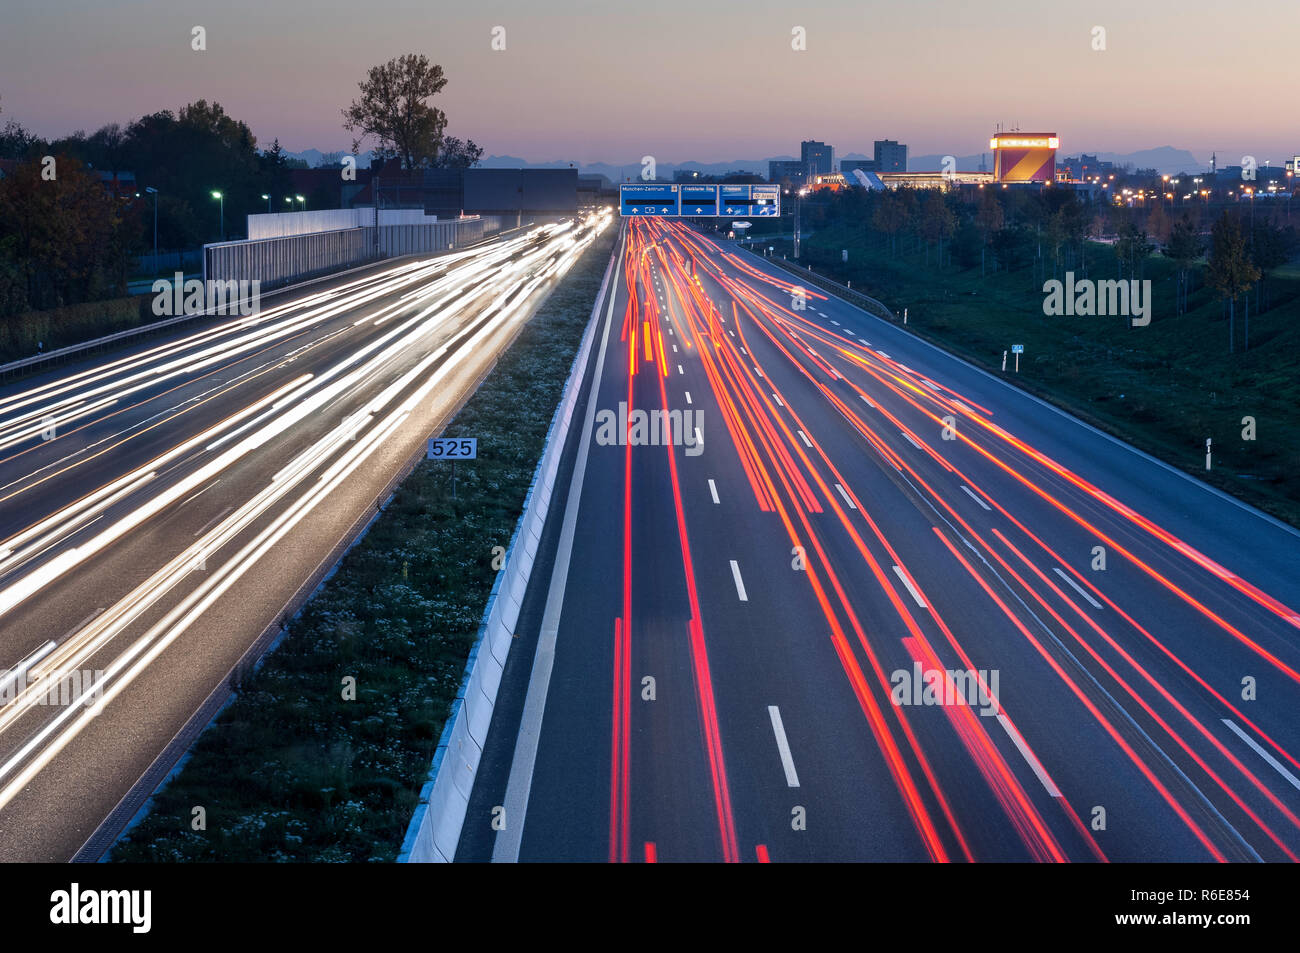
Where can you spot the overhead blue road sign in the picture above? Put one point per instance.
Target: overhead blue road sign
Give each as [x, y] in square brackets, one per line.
[704, 201]
[655, 199]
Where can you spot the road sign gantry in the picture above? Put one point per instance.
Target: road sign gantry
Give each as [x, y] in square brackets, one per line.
[669, 200]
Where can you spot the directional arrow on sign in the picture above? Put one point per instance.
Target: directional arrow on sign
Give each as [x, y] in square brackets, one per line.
[698, 209]
[663, 210]
[634, 208]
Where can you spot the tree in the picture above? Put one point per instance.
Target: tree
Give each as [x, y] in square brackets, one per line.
[16, 142]
[988, 219]
[936, 221]
[1229, 270]
[457, 154]
[66, 235]
[1183, 248]
[392, 110]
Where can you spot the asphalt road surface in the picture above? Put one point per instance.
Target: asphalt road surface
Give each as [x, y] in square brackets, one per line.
[882, 606]
[160, 506]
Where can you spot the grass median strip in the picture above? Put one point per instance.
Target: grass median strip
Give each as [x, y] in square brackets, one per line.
[293, 771]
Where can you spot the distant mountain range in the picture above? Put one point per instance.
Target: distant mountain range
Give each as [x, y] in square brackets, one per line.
[1164, 159]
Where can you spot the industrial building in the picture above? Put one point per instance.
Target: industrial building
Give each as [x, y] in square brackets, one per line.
[1024, 156]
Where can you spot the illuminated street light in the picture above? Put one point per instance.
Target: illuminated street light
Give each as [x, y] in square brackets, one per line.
[222, 199]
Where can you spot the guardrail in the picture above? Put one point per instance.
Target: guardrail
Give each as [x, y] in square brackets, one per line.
[439, 817]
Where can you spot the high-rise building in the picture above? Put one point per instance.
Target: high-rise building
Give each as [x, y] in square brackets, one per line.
[891, 156]
[818, 156]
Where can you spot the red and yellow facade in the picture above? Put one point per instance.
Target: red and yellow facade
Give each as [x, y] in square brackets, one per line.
[1024, 156]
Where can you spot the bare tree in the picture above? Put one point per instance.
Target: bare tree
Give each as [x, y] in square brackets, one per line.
[392, 109]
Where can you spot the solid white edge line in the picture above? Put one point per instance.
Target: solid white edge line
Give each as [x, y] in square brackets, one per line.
[505, 848]
[740, 583]
[1077, 588]
[783, 746]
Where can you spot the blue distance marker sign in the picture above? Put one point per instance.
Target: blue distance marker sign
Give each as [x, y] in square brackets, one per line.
[705, 201]
[699, 200]
[655, 199]
[453, 448]
[1017, 349]
[757, 200]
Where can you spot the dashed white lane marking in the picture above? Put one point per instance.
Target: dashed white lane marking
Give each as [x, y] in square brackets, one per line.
[1028, 755]
[674, 348]
[910, 588]
[713, 491]
[688, 398]
[777, 398]
[783, 746]
[847, 499]
[802, 436]
[822, 313]
[868, 400]
[836, 323]
[1074, 585]
[740, 583]
[679, 369]
[757, 371]
[214, 519]
[971, 493]
[884, 355]
[1272, 761]
[861, 341]
[910, 440]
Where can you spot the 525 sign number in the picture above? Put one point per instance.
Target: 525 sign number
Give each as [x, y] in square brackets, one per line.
[453, 448]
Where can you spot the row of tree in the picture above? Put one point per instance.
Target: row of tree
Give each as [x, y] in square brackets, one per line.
[1054, 230]
[67, 237]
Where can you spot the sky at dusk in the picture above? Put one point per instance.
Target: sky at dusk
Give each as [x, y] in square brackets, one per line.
[706, 80]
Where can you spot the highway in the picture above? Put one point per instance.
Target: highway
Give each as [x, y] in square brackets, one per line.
[160, 506]
[882, 606]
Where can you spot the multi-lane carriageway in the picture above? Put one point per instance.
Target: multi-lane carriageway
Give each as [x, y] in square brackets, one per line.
[158, 508]
[706, 662]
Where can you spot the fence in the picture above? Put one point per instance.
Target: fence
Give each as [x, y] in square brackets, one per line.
[281, 260]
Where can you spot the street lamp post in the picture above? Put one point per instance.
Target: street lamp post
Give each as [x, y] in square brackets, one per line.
[268, 202]
[220, 197]
[302, 202]
[154, 192]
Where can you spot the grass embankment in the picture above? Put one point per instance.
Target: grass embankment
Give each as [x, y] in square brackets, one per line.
[290, 771]
[1164, 388]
